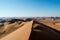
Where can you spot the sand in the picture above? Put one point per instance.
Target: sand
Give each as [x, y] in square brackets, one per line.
[51, 24]
[22, 33]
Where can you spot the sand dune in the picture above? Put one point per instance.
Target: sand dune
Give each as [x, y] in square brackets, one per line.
[43, 32]
[56, 26]
[22, 33]
[31, 30]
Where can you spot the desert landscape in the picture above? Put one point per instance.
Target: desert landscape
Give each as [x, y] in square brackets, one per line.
[29, 19]
[45, 29]
[29, 29]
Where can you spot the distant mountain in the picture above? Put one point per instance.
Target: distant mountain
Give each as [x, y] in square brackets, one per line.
[2, 20]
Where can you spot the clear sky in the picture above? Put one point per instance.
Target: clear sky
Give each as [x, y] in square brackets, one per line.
[29, 8]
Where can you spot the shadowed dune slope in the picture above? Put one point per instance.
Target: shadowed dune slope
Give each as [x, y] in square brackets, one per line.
[43, 32]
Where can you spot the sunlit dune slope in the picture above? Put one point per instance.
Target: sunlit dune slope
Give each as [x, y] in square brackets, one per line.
[52, 24]
[21, 33]
[9, 27]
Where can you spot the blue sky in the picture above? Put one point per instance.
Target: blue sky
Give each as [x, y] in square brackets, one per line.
[29, 8]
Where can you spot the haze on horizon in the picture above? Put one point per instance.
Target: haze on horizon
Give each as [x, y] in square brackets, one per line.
[29, 8]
